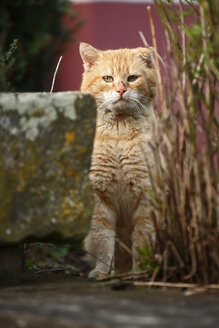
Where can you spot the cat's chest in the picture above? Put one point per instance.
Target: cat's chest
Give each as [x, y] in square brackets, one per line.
[120, 163]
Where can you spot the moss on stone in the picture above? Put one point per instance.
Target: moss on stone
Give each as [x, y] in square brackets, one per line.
[46, 147]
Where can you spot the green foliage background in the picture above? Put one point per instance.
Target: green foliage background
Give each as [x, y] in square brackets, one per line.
[38, 27]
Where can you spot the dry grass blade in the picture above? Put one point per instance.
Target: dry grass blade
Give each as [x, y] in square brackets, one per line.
[163, 107]
[174, 285]
[144, 41]
[54, 76]
[123, 246]
[189, 144]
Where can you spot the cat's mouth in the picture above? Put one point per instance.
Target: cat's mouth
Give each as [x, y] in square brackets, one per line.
[121, 100]
[121, 106]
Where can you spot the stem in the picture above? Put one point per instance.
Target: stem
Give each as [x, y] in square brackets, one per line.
[157, 62]
[54, 76]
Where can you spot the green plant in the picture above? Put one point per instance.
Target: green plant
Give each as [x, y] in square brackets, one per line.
[39, 27]
[186, 218]
[47, 257]
[148, 261]
[6, 64]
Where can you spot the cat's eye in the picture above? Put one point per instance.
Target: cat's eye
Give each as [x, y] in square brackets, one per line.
[132, 78]
[108, 78]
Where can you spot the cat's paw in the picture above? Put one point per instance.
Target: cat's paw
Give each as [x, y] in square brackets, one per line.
[96, 273]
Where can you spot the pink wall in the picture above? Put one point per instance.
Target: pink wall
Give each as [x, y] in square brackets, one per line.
[106, 26]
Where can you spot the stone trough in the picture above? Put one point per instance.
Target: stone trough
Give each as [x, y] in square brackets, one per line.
[45, 146]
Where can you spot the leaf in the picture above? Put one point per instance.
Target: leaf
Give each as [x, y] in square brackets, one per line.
[30, 263]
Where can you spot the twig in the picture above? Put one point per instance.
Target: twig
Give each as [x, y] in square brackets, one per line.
[125, 275]
[194, 262]
[157, 62]
[155, 273]
[165, 261]
[54, 76]
[122, 245]
[143, 39]
[205, 48]
[197, 69]
[173, 285]
[177, 255]
[147, 46]
[56, 269]
[97, 258]
[183, 46]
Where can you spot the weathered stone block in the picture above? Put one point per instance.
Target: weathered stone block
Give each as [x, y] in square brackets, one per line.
[45, 146]
[11, 265]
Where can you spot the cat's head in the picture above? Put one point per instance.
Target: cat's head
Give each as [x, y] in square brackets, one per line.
[122, 81]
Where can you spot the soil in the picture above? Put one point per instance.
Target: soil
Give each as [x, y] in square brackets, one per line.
[61, 301]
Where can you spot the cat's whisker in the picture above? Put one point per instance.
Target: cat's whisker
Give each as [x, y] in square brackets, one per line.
[140, 104]
[141, 97]
[136, 107]
[142, 109]
[145, 99]
[104, 103]
[107, 100]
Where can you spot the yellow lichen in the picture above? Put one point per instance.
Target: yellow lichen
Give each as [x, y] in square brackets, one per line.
[72, 192]
[82, 149]
[38, 112]
[70, 173]
[69, 137]
[78, 179]
[66, 208]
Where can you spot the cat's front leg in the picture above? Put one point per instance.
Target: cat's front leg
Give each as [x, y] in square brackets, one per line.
[100, 242]
[143, 233]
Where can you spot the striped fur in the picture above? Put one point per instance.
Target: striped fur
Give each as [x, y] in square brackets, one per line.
[122, 156]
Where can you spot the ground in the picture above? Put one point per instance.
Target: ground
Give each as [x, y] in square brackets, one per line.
[58, 300]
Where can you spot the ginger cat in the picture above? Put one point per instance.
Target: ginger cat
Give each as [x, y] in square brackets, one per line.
[123, 83]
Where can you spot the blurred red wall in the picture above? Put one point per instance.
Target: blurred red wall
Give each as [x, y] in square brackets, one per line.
[107, 25]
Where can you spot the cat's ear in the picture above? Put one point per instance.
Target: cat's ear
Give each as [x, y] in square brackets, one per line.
[147, 56]
[89, 55]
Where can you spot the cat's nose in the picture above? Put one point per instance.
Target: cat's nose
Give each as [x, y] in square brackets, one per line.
[121, 88]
